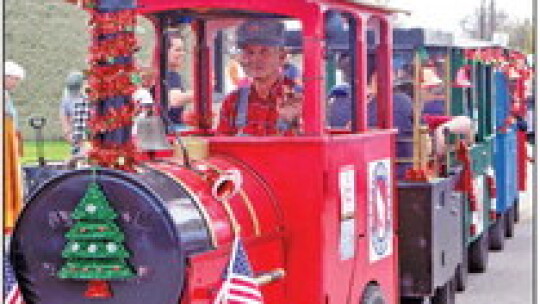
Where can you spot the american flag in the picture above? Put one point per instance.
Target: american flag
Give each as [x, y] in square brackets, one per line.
[239, 286]
[12, 293]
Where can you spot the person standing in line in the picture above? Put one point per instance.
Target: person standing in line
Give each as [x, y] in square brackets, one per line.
[13, 191]
[74, 112]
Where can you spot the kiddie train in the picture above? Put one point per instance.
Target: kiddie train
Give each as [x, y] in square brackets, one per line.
[364, 212]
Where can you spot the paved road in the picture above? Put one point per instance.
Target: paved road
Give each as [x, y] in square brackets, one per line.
[509, 278]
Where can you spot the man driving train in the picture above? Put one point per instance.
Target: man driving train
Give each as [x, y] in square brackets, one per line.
[271, 104]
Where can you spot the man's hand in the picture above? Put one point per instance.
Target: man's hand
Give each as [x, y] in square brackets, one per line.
[178, 98]
[290, 108]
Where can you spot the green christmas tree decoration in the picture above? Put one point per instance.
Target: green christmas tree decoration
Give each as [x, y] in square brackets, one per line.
[94, 206]
[95, 249]
[95, 231]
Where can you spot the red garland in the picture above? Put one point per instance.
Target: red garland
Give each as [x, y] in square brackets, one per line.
[110, 81]
[111, 23]
[115, 118]
[470, 54]
[110, 75]
[122, 45]
[116, 156]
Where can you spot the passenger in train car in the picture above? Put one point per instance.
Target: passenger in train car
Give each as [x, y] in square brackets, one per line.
[340, 100]
[403, 118]
[271, 104]
[339, 111]
[291, 71]
[179, 96]
[434, 101]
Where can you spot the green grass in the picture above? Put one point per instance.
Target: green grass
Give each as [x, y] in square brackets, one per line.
[53, 151]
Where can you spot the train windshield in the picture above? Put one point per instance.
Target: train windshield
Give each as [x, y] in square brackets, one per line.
[212, 61]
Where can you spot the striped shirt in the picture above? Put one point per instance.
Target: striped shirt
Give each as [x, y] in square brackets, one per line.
[77, 108]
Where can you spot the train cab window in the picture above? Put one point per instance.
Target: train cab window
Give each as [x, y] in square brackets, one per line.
[232, 72]
[340, 59]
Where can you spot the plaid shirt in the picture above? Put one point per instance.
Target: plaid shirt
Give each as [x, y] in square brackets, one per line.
[81, 113]
[262, 114]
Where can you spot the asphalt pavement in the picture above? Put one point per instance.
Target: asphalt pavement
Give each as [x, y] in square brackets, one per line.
[509, 277]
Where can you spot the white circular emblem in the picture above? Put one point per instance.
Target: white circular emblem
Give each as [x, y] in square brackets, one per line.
[92, 248]
[112, 247]
[91, 208]
[380, 220]
[75, 247]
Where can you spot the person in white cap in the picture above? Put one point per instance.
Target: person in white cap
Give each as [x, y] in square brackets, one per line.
[13, 75]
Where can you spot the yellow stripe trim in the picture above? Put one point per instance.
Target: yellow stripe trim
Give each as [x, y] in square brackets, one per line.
[247, 203]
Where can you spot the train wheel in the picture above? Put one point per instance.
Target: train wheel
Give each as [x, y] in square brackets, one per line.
[462, 274]
[516, 211]
[496, 234]
[479, 254]
[373, 295]
[445, 294]
[414, 301]
[453, 290]
[509, 223]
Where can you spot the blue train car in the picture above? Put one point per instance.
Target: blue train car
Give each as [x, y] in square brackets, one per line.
[505, 155]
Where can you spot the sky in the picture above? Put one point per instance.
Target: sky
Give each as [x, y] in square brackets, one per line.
[446, 14]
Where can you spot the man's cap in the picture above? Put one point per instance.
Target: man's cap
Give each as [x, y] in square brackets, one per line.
[13, 69]
[265, 32]
[74, 80]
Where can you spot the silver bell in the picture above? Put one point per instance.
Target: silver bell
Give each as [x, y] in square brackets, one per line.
[150, 134]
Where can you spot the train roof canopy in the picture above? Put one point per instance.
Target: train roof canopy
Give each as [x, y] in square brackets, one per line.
[418, 37]
[379, 5]
[468, 43]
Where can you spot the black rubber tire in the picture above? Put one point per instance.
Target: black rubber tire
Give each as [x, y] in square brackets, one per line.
[411, 301]
[444, 294]
[516, 211]
[509, 223]
[479, 254]
[372, 295]
[496, 234]
[453, 290]
[462, 275]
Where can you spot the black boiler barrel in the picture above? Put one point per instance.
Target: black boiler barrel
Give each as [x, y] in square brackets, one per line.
[162, 226]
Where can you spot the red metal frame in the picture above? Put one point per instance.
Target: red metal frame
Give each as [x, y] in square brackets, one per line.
[309, 14]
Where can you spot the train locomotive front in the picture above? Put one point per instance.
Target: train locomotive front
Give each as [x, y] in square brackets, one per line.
[171, 217]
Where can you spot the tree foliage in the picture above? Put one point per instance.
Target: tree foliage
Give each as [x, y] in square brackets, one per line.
[520, 31]
[49, 38]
